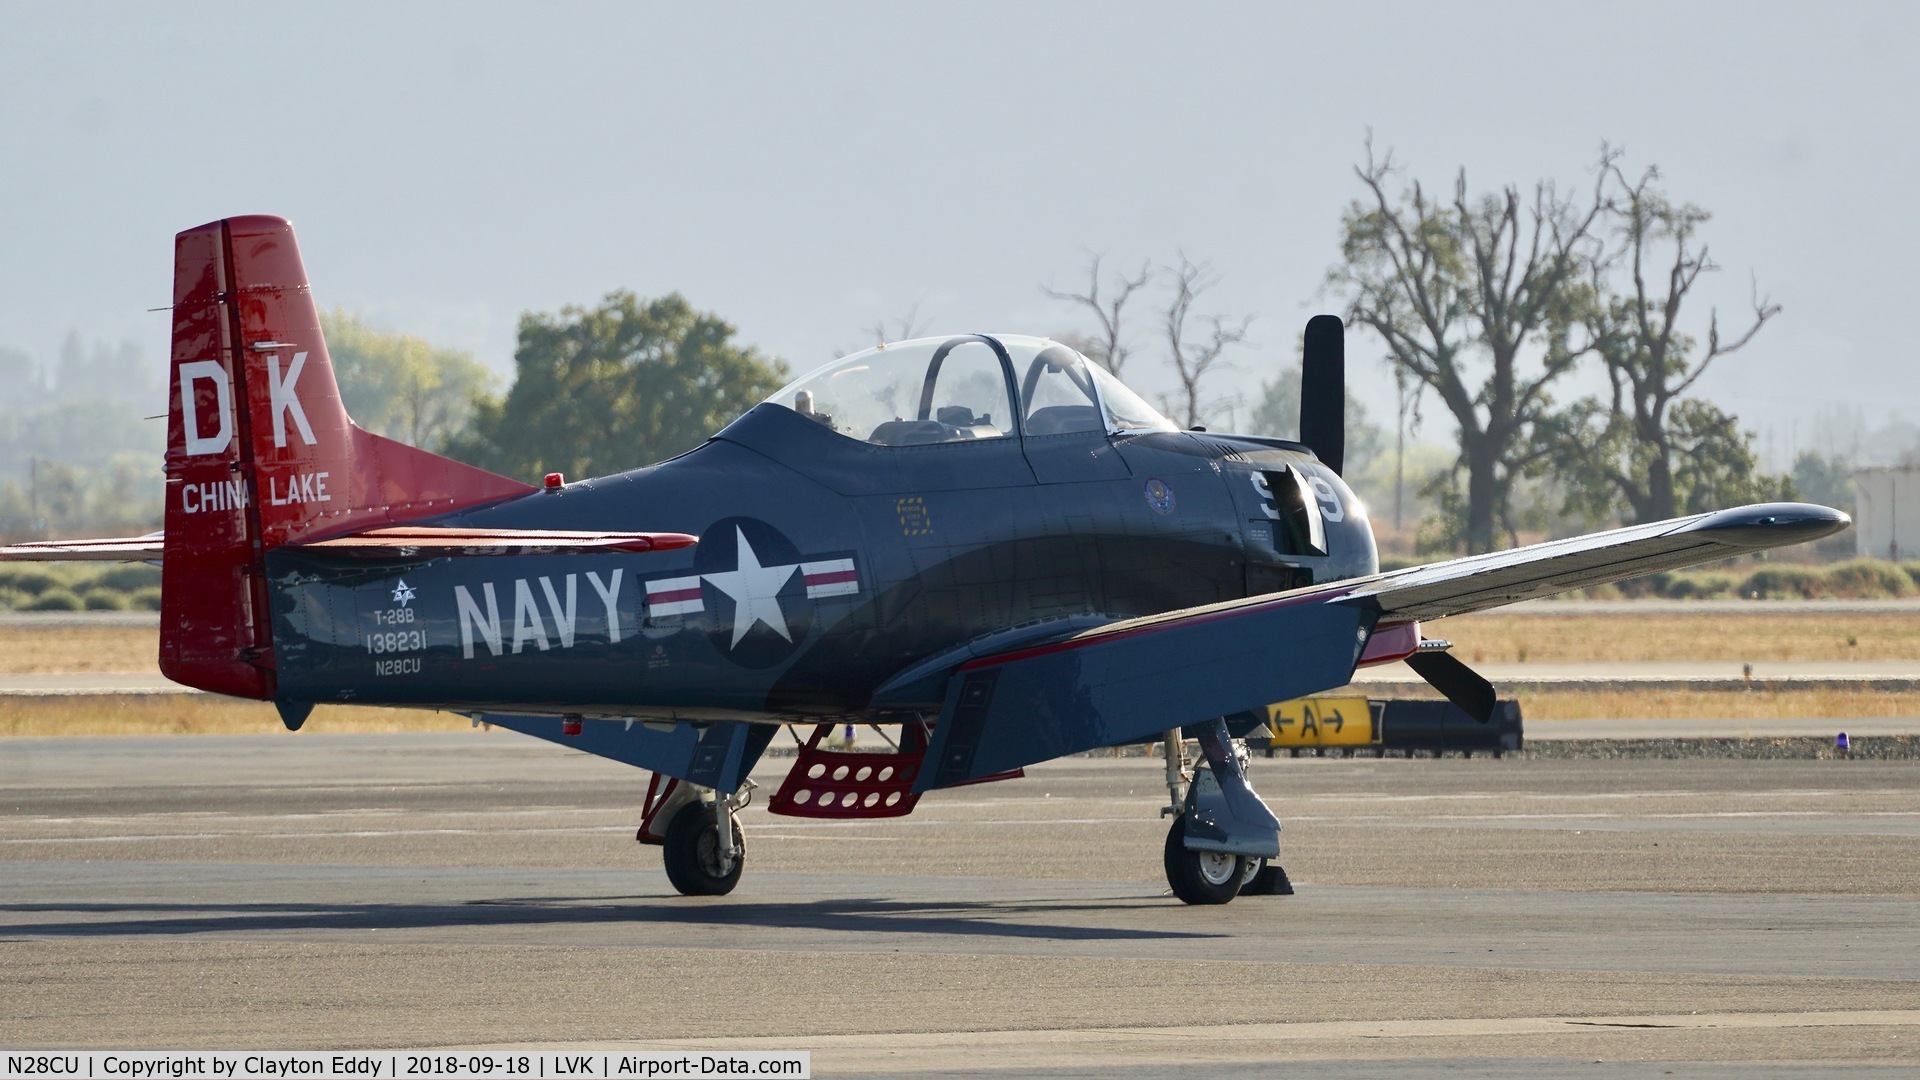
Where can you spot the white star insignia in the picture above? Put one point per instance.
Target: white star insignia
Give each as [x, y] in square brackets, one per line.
[755, 592]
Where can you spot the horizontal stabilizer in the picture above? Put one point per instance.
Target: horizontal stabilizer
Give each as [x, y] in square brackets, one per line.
[115, 549]
[408, 541]
[399, 541]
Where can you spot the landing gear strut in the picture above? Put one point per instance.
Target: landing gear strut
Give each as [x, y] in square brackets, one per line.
[1223, 838]
[701, 843]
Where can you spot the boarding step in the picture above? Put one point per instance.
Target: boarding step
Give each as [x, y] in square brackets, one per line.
[846, 784]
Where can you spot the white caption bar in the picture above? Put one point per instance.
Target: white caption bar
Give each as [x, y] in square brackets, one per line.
[402, 1065]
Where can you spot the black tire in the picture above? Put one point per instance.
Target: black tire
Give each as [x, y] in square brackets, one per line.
[692, 853]
[1200, 877]
[1270, 881]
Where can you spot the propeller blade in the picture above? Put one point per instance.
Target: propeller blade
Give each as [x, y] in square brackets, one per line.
[1461, 684]
[1323, 390]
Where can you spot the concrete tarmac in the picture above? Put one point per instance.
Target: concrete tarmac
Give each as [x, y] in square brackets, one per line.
[1510, 917]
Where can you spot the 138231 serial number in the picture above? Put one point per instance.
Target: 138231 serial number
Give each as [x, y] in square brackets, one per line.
[393, 641]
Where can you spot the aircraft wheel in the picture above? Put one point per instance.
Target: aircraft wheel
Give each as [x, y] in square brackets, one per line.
[692, 853]
[1200, 877]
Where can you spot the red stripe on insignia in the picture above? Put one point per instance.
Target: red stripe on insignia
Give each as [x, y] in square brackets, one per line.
[833, 577]
[674, 597]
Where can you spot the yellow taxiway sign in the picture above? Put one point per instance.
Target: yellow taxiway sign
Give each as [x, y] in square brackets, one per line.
[1324, 721]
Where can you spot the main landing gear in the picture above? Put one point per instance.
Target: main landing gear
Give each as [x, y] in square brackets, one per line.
[701, 843]
[1223, 838]
[698, 863]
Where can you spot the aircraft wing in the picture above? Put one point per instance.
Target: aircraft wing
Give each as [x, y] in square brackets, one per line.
[1478, 582]
[1129, 680]
[400, 541]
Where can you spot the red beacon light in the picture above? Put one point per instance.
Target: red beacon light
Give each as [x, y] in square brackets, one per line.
[556, 481]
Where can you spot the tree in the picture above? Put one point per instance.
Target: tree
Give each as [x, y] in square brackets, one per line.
[1825, 480]
[1650, 453]
[399, 385]
[608, 388]
[1195, 351]
[82, 456]
[1108, 348]
[1479, 301]
[1277, 414]
[20, 374]
[905, 328]
[105, 372]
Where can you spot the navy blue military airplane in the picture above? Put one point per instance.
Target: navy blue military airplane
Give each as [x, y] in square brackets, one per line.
[983, 541]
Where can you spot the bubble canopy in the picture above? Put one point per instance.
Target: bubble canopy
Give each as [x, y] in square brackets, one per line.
[963, 388]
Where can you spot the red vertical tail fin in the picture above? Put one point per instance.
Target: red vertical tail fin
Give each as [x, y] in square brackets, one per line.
[261, 452]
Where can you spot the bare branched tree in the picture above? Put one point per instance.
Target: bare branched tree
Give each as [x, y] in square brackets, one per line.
[1109, 347]
[1462, 294]
[905, 327]
[1638, 451]
[1194, 351]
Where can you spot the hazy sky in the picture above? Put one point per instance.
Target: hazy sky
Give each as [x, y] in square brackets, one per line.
[804, 170]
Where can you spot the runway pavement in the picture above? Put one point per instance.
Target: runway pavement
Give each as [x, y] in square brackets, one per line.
[1506, 917]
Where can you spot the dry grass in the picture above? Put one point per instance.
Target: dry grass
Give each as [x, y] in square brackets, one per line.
[1492, 638]
[206, 714]
[130, 649]
[1714, 705]
[1496, 638]
[199, 714]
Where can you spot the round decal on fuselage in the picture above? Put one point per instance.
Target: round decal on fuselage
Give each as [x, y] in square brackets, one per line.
[754, 590]
[1159, 495]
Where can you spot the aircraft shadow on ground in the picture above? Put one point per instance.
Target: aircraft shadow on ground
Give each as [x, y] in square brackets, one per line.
[947, 918]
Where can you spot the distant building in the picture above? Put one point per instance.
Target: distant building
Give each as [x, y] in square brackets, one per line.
[1886, 520]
